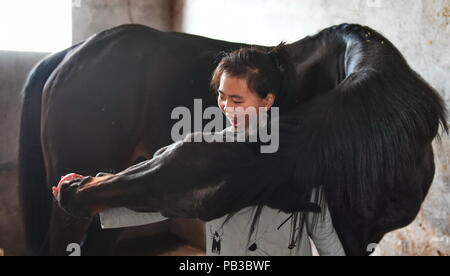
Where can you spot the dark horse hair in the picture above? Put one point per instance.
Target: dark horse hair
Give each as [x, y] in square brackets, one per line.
[361, 143]
[364, 143]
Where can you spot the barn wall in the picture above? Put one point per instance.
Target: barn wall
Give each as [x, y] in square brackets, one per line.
[92, 16]
[420, 29]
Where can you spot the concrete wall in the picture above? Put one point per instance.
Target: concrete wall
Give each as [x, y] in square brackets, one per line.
[92, 16]
[14, 67]
[419, 28]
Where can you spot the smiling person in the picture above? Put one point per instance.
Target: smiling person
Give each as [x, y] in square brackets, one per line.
[247, 80]
[255, 78]
[252, 78]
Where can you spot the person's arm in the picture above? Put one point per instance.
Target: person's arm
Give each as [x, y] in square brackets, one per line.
[323, 234]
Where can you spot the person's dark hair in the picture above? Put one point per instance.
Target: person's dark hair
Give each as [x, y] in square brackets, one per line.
[266, 71]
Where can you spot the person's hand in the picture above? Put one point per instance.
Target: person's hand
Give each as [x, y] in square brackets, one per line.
[64, 179]
[73, 194]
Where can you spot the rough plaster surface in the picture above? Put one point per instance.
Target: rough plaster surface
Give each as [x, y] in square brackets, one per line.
[14, 68]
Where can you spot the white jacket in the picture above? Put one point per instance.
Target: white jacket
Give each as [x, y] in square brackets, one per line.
[268, 239]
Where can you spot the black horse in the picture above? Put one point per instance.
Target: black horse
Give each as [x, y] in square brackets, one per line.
[362, 128]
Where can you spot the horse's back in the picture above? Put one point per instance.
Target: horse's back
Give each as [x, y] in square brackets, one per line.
[114, 93]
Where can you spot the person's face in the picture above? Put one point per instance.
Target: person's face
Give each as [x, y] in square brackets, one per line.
[233, 93]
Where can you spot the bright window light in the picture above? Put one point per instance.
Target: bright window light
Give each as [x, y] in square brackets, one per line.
[35, 25]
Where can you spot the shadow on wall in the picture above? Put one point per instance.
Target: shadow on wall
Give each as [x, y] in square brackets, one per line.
[177, 15]
[90, 17]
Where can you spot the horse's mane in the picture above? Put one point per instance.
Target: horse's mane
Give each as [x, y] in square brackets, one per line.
[362, 139]
[359, 135]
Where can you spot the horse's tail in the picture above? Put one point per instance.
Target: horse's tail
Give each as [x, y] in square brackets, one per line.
[34, 194]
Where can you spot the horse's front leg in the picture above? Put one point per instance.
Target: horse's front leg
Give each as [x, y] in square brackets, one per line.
[151, 186]
[90, 196]
[184, 180]
[138, 187]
